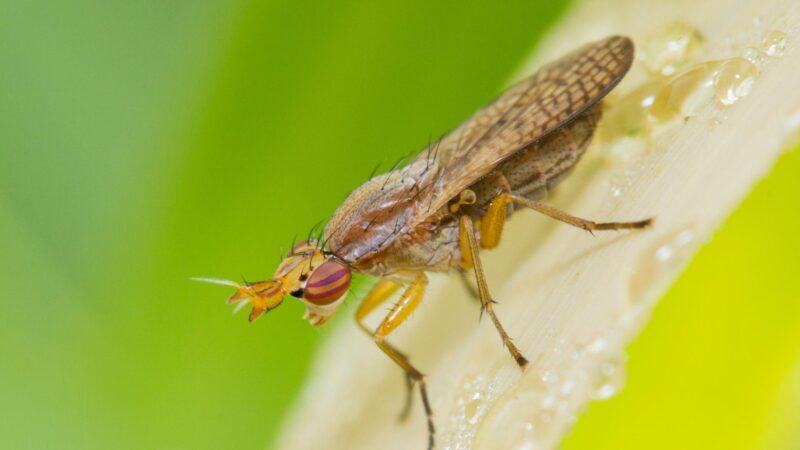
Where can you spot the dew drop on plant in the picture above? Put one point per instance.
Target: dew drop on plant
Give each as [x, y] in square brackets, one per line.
[733, 80]
[577, 354]
[532, 414]
[516, 421]
[726, 81]
[684, 93]
[528, 445]
[473, 407]
[470, 406]
[621, 181]
[626, 130]
[549, 377]
[610, 378]
[660, 260]
[774, 43]
[549, 401]
[671, 48]
[627, 115]
[598, 346]
[753, 55]
[617, 189]
[567, 387]
[676, 244]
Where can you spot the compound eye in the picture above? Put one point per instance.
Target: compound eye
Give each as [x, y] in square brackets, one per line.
[327, 283]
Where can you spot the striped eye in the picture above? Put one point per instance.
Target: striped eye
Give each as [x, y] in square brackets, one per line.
[327, 283]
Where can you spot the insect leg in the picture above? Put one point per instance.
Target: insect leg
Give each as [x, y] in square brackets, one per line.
[469, 243]
[377, 296]
[471, 290]
[587, 225]
[493, 221]
[399, 313]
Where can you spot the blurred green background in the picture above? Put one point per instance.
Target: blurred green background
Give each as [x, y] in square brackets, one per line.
[143, 143]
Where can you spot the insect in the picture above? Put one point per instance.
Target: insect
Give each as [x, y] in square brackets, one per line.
[437, 213]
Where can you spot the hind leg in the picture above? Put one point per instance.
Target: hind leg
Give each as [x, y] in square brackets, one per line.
[494, 220]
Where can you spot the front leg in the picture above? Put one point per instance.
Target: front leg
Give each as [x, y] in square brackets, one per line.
[402, 309]
[379, 294]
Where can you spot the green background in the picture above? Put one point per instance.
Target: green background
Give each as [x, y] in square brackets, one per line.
[143, 143]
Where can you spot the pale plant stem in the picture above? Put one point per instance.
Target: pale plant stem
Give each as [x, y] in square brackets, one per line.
[570, 301]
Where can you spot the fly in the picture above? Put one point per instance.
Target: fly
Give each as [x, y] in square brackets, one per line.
[437, 213]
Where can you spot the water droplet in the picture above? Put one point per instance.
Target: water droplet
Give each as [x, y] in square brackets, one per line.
[774, 43]
[733, 80]
[471, 404]
[753, 55]
[627, 115]
[517, 421]
[617, 188]
[567, 387]
[666, 251]
[626, 132]
[677, 244]
[528, 445]
[549, 401]
[597, 346]
[549, 377]
[472, 408]
[622, 180]
[684, 94]
[536, 412]
[576, 354]
[610, 378]
[661, 260]
[671, 48]
[559, 347]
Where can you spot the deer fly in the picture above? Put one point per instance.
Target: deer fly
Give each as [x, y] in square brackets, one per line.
[437, 213]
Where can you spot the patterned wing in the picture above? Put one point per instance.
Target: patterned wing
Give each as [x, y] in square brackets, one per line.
[524, 114]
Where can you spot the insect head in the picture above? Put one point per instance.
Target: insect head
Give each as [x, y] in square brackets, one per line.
[317, 278]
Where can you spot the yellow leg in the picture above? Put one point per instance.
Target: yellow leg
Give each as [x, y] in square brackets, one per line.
[399, 313]
[493, 221]
[467, 239]
[491, 227]
[379, 294]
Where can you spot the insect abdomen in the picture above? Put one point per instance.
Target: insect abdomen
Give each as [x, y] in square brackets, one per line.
[543, 165]
[539, 167]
